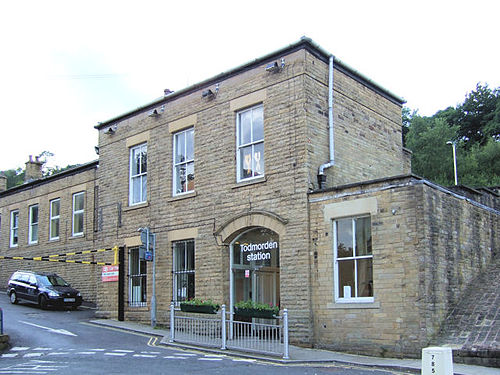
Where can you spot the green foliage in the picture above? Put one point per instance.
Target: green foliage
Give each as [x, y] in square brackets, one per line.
[432, 157]
[201, 302]
[14, 177]
[475, 127]
[249, 304]
[476, 116]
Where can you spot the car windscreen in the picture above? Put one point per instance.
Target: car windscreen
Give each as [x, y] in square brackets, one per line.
[52, 280]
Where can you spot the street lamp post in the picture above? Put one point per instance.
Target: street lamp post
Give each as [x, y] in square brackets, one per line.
[454, 145]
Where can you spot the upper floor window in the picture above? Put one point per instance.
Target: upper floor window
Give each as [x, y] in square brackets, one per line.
[78, 213]
[138, 174]
[183, 162]
[250, 143]
[353, 260]
[33, 228]
[55, 206]
[14, 227]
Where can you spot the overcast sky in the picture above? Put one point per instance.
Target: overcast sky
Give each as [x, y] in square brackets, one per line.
[67, 65]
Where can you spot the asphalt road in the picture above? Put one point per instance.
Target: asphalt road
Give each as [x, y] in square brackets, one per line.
[63, 342]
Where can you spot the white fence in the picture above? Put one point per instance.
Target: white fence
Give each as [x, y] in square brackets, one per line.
[223, 332]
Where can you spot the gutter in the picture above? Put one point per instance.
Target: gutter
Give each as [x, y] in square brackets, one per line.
[331, 139]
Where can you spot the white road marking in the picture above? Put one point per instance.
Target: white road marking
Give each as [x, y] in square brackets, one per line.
[144, 355]
[28, 355]
[98, 350]
[174, 357]
[116, 354]
[52, 330]
[210, 359]
[58, 353]
[44, 349]
[9, 355]
[123, 351]
[86, 353]
[19, 348]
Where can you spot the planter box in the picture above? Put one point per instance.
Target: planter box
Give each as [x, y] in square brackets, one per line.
[201, 309]
[253, 313]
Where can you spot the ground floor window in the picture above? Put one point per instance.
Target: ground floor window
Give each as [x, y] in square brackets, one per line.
[353, 260]
[137, 278]
[183, 270]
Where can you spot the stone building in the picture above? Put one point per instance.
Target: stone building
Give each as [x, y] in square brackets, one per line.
[284, 181]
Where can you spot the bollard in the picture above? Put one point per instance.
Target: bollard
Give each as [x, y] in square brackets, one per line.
[437, 361]
[172, 321]
[1, 321]
[285, 334]
[223, 322]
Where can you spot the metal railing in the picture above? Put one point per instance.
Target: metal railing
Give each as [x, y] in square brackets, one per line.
[222, 331]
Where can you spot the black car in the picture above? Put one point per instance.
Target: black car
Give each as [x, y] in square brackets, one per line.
[43, 288]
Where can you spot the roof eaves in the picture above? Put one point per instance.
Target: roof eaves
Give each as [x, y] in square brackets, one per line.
[303, 42]
[28, 185]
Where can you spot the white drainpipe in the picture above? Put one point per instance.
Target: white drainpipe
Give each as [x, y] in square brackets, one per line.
[331, 162]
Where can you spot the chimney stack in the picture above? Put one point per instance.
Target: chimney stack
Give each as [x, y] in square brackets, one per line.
[3, 182]
[33, 169]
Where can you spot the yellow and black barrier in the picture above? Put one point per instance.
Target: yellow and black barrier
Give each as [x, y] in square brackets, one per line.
[51, 258]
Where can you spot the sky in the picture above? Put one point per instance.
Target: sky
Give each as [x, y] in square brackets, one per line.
[67, 65]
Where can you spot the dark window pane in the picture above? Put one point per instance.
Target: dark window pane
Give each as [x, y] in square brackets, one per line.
[346, 278]
[363, 236]
[365, 278]
[344, 238]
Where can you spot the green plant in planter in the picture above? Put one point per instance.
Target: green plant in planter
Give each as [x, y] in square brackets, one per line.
[253, 309]
[200, 306]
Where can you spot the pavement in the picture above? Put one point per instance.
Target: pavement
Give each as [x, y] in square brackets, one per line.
[300, 355]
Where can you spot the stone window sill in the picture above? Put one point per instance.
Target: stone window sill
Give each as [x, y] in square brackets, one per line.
[179, 197]
[350, 305]
[250, 182]
[136, 206]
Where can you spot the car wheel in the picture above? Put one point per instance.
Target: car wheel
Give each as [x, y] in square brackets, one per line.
[13, 298]
[42, 302]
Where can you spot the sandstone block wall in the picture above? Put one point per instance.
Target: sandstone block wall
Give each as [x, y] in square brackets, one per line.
[82, 277]
[427, 246]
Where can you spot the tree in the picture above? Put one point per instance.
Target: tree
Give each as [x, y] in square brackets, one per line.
[15, 177]
[478, 116]
[431, 157]
[475, 127]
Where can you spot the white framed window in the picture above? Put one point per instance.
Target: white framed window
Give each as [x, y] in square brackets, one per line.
[14, 228]
[250, 143]
[138, 174]
[137, 278]
[33, 229]
[78, 213]
[353, 260]
[183, 270]
[55, 210]
[183, 168]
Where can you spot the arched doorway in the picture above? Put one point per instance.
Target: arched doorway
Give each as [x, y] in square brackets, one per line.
[255, 272]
